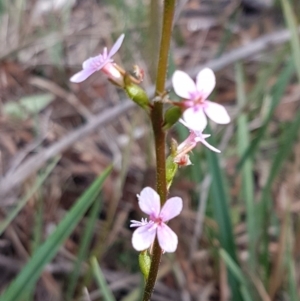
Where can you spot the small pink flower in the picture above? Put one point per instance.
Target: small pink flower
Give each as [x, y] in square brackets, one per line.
[103, 62]
[143, 237]
[196, 103]
[190, 142]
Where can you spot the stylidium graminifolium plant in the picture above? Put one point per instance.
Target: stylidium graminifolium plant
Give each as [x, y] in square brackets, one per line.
[191, 112]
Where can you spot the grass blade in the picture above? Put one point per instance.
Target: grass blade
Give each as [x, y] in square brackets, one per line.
[106, 292]
[291, 264]
[238, 274]
[221, 212]
[33, 269]
[84, 245]
[233, 267]
[277, 93]
[21, 203]
[221, 203]
[290, 136]
[290, 19]
[247, 169]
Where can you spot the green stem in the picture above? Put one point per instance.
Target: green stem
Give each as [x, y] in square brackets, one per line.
[159, 134]
[169, 8]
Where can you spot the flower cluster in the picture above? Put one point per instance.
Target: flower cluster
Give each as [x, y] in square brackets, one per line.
[194, 108]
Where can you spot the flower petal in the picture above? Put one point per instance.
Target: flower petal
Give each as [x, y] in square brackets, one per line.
[91, 62]
[149, 201]
[167, 238]
[143, 237]
[171, 208]
[82, 75]
[183, 85]
[195, 119]
[96, 62]
[205, 82]
[117, 45]
[216, 112]
[203, 141]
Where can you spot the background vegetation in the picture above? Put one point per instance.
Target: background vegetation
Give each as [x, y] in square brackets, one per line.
[74, 156]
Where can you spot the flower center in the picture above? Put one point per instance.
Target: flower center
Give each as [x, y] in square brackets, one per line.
[199, 100]
[157, 220]
[196, 100]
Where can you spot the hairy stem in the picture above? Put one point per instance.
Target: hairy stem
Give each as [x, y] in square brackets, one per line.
[159, 134]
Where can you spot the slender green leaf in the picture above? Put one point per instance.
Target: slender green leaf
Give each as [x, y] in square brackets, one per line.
[290, 136]
[33, 269]
[221, 212]
[221, 204]
[276, 93]
[100, 279]
[238, 274]
[291, 21]
[84, 245]
[234, 268]
[21, 203]
[245, 293]
[291, 264]
[247, 169]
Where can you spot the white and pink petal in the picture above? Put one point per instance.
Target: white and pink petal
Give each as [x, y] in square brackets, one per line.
[171, 208]
[149, 201]
[183, 85]
[82, 75]
[167, 238]
[116, 46]
[205, 82]
[216, 112]
[204, 142]
[195, 119]
[143, 237]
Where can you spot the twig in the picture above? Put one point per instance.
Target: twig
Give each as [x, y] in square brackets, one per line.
[50, 86]
[86, 294]
[19, 158]
[32, 164]
[35, 162]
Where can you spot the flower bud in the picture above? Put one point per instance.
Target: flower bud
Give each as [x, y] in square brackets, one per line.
[172, 115]
[136, 93]
[182, 160]
[174, 147]
[171, 169]
[145, 263]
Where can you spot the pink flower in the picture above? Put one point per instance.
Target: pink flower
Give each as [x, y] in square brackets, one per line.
[196, 103]
[143, 237]
[103, 62]
[191, 141]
